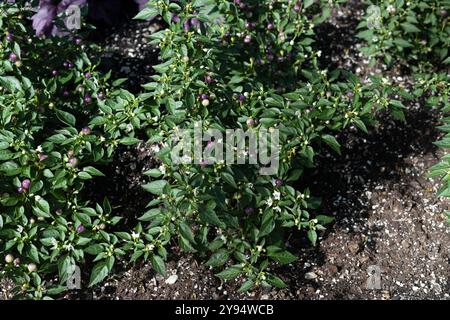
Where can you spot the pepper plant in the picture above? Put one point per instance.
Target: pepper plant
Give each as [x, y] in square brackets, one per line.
[59, 119]
[414, 33]
[247, 65]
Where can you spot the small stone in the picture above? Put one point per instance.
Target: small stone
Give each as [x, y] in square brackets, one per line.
[333, 269]
[353, 247]
[405, 243]
[172, 279]
[310, 276]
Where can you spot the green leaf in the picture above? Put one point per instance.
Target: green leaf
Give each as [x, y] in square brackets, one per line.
[33, 253]
[283, 257]
[218, 259]
[156, 187]
[360, 124]
[229, 179]
[65, 268]
[332, 142]
[402, 43]
[128, 141]
[312, 236]
[150, 215]
[275, 281]
[247, 285]
[94, 172]
[83, 218]
[99, 273]
[147, 14]
[230, 273]
[208, 215]
[84, 175]
[154, 173]
[324, 219]
[66, 117]
[94, 249]
[186, 231]
[158, 264]
[44, 206]
[409, 27]
[11, 83]
[308, 3]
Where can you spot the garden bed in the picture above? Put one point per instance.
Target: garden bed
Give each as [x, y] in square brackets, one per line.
[385, 207]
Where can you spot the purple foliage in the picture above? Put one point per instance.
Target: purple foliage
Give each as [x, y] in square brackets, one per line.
[48, 10]
[103, 10]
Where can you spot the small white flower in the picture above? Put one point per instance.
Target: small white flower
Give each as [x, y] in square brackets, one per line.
[390, 9]
[39, 149]
[162, 169]
[269, 202]
[134, 235]
[277, 209]
[277, 195]
[155, 148]
[68, 247]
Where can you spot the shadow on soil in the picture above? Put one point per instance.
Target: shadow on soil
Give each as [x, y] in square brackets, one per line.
[367, 160]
